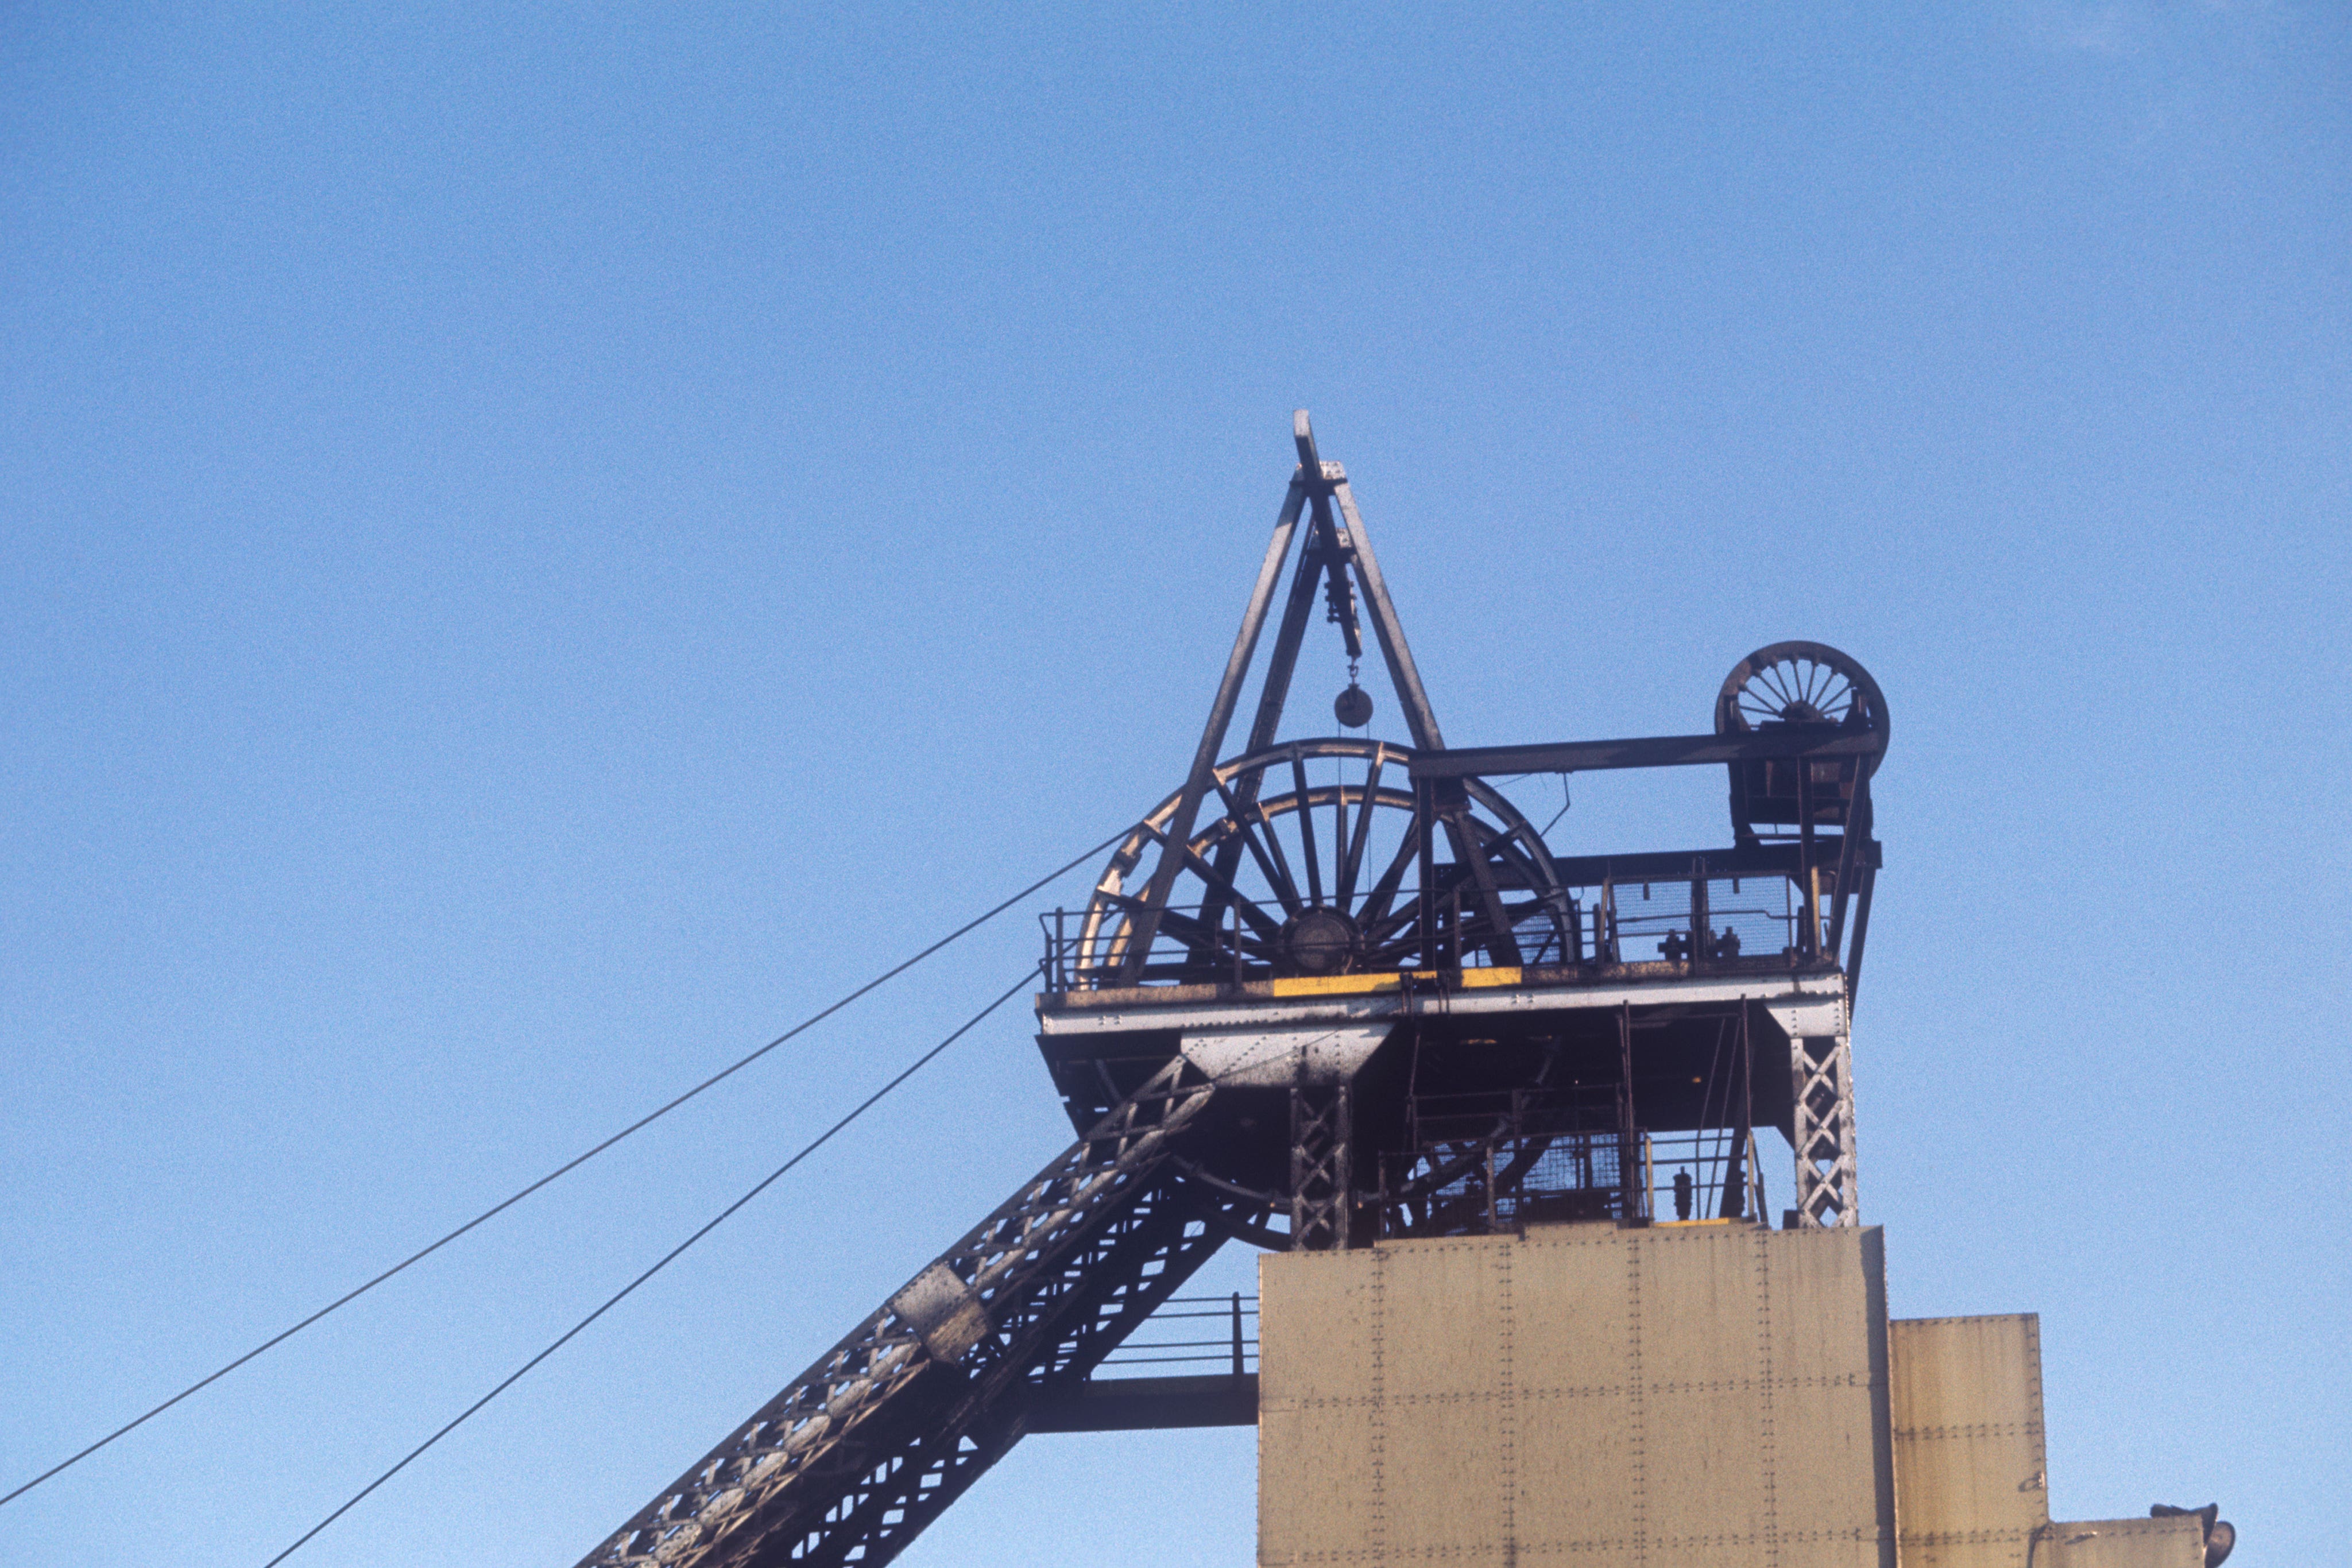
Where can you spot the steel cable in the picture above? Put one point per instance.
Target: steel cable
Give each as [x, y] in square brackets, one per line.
[615, 1299]
[567, 1167]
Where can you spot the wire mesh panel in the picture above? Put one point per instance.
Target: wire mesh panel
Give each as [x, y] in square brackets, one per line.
[1503, 1181]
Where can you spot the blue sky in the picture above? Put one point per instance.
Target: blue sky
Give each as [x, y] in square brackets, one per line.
[540, 544]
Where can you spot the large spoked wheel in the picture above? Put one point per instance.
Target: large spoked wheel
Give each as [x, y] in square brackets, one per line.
[1306, 868]
[1802, 682]
[1800, 685]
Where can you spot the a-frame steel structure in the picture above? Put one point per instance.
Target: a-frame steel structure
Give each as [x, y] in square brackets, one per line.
[1381, 1005]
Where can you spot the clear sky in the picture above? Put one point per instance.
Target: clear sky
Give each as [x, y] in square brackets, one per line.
[539, 543]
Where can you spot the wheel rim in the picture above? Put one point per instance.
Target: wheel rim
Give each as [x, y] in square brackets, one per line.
[1801, 683]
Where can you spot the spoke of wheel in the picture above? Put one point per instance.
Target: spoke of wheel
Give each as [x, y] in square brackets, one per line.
[1339, 839]
[1355, 858]
[1199, 933]
[1470, 848]
[1376, 902]
[1307, 829]
[1209, 874]
[1254, 804]
[1277, 876]
[1528, 869]
[1389, 923]
[1130, 905]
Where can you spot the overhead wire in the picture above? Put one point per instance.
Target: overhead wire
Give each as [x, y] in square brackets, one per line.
[615, 1299]
[566, 1169]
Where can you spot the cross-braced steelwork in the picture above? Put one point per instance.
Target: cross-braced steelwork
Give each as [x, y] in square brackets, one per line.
[1322, 1175]
[850, 1456]
[1101, 1294]
[1822, 1066]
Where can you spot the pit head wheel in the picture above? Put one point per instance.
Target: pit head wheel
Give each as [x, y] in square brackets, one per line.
[1799, 686]
[1309, 871]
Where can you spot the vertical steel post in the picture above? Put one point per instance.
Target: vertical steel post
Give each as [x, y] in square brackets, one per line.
[1629, 1205]
[1808, 884]
[1702, 920]
[1237, 947]
[1425, 898]
[1856, 835]
[1861, 933]
[1736, 1173]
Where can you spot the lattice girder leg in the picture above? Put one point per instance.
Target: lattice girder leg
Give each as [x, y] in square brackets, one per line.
[1822, 1069]
[986, 1314]
[1104, 1296]
[1322, 1165]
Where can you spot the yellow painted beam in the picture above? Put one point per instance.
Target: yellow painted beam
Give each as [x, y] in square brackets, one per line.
[1338, 984]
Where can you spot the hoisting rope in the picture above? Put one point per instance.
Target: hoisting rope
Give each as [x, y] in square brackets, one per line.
[569, 1165]
[615, 1298]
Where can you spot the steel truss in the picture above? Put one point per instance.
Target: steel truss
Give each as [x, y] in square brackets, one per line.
[1336, 548]
[1822, 1068]
[857, 1456]
[1322, 1173]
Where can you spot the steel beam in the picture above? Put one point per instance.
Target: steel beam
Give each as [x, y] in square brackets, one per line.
[1151, 1405]
[1404, 675]
[1648, 751]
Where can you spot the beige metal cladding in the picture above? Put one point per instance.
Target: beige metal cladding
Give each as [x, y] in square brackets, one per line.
[2178, 1542]
[1971, 1476]
[1688, 1395]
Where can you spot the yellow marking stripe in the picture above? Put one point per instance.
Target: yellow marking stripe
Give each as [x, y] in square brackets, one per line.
[1473, 979]
[1337, 985]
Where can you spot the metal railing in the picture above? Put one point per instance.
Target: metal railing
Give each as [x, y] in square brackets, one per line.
[1498, 1161]
[1704, 923]
[1685, 1175]
[1233, 1350]
[1719, 919]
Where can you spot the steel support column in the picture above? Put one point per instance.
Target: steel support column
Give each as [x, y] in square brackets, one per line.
[1322, 1173]
[1822, 1069]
